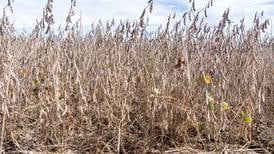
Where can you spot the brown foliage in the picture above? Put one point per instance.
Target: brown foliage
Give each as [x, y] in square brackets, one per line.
[116, 89]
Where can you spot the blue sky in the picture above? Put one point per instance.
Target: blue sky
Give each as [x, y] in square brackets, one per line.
[26, 12]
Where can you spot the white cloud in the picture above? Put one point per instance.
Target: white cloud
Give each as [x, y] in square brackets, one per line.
[238, 9]
[26, 12]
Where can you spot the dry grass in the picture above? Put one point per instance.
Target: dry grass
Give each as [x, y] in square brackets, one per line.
[116, 89]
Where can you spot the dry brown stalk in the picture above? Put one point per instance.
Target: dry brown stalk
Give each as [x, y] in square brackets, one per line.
[188, 87]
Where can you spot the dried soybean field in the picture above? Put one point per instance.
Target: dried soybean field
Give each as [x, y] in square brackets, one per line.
[184, 88]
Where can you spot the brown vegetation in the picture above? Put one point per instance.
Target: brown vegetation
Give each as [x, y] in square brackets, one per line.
[117, 89]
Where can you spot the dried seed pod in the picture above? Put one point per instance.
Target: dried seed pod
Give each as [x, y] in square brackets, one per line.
[151, 6]
[180, 63]
[205, 13]
[193, 5]
[189, 16]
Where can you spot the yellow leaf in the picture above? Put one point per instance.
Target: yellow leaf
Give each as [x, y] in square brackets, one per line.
[151, 61]
[211, 106]
[247, 119]
[23, 72]
[271, 142]
[198, 125]
[156, 91]
[208, 78]
[209, 96]
[243, 114]
[35, 82]
[225, 106]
